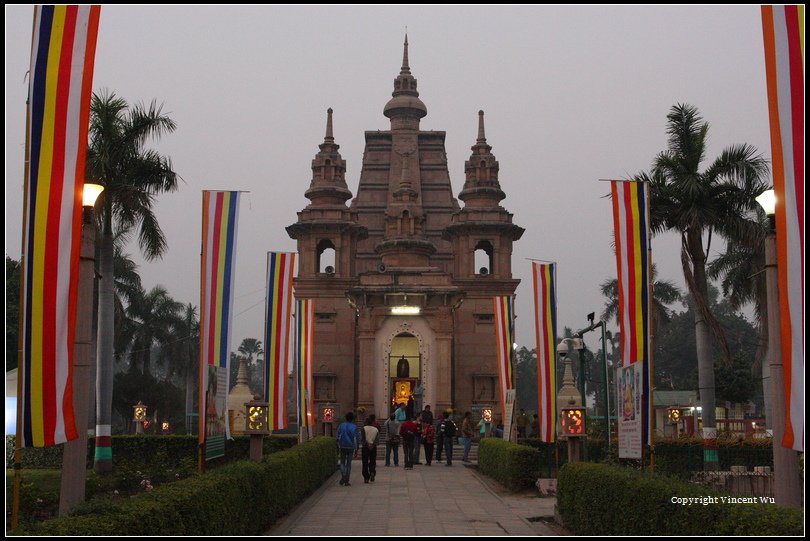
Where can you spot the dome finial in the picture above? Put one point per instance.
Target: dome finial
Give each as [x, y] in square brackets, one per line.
[329, 137]
[405, 67]
[482, 138]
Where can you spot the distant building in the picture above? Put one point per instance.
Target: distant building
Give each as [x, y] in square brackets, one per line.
[404, 241]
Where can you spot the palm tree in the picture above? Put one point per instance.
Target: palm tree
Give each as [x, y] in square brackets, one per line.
[696, 204]
[664, 294]
[151, 319]
[133, 176]
[250, 347]
[741, 269]
[184, 351]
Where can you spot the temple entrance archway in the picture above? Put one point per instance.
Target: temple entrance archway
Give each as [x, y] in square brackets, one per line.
[404, 346]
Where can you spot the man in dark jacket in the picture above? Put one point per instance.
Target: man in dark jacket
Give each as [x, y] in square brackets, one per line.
[448, 430]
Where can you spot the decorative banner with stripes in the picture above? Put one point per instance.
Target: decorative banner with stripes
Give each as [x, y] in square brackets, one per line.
[783, 31]
[304, 342]
[544, 280]
[632, 234]
[504, 338]
[280, 269]
[220, 218]
[62, 56]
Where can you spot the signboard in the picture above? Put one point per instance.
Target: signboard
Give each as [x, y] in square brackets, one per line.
[509, 415]
[629, 400]
[215, 411]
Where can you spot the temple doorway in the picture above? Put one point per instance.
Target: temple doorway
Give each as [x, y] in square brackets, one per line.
[404, 369]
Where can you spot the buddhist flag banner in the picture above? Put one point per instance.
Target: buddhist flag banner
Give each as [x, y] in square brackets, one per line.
[61, 77]
[503, 308]
[304, 342]
[631, 233]
[783, 31]
[544, 280]
[278, 309]
[220, 218]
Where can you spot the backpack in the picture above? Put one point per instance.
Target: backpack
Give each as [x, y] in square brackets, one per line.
[448, 428]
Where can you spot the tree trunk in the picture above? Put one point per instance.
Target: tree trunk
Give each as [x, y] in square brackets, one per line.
[703, 344]
[104, 351]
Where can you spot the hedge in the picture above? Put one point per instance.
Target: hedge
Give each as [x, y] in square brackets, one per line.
[147, 451]
[600, 499]
[243, 498]
[682, 457]
[512, 465]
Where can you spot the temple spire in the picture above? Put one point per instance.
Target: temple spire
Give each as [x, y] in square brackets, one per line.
[329, 138]
[482, 138]
[405, 68]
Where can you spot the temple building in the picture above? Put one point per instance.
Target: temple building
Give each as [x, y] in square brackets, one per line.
[402, 274]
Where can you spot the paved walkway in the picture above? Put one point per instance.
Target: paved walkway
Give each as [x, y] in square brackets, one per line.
[435, 500]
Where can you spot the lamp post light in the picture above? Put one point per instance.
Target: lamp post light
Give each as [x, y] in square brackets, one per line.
[74, 458]
[257, 425]
[139, 416]
[787, 484]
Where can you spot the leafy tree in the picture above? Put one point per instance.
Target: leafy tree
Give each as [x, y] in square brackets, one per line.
[183, 350]
[526, 378]
[133, 176]
[12, 312]
[696, 204]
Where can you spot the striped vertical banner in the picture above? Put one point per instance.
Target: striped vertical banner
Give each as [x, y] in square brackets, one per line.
[783, 31]
[504, 338]
[632, 234]
[280, 268]
[304, 342]
[545, 328]
[220, 217]
[61, 76]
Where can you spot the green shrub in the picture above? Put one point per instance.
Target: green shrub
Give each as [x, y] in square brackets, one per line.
[680, 457]
[599, 499]
[242, 498]
[514, 466]
[150, 453]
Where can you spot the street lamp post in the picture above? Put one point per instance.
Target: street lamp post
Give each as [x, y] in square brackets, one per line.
[74, 458]
[787, 484]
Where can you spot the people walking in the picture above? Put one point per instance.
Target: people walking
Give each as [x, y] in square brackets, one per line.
[467, 433]
[392, 441]
[417, 442]
[448, 430]
[348, 441]
[428, 437]
[407, 431]
[439, 440]
[368, 453]
[400, 413]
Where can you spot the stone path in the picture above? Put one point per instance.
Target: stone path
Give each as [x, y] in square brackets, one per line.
[435, 500]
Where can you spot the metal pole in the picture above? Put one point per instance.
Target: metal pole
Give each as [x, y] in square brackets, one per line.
[786, 480]
[607, 387]
[581, 382]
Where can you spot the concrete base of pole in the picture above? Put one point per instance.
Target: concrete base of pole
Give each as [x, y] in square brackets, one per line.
[256, 447]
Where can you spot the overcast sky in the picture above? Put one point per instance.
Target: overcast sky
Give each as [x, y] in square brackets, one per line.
[571, 95]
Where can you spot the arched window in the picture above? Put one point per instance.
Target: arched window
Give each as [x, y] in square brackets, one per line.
[325, 256]
[483, 257]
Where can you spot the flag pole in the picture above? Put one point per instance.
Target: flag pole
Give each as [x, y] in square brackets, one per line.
[651, 331]
[15, 505]
[201, 394]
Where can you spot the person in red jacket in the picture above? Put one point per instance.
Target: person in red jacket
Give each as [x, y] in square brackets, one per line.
[407, 432]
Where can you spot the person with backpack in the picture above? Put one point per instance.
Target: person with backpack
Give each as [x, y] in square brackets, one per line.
[448, 430]
[407, 431]
[348, 439]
